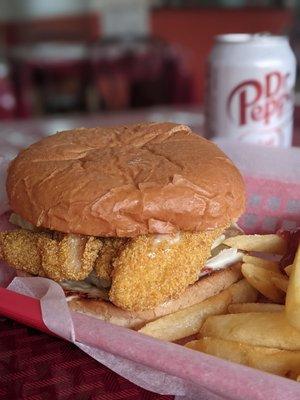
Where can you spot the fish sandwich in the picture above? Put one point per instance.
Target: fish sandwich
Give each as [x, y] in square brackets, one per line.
[129, 220]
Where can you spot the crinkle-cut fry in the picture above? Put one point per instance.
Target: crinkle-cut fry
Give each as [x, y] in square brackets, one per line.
[71, 257]
[272, 360]
[292, 304]
[272, 244]
[261, 262]
[268, 329]
[260, 279]
[254, 307]
[20, 250]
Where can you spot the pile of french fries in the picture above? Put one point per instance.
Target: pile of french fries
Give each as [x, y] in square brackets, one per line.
[256, 321]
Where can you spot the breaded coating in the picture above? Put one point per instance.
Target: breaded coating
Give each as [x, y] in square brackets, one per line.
[69, 257]
[151, 270]
[104, 263]
[56, 255]
[20, 250]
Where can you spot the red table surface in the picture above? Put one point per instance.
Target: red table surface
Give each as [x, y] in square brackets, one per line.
[36, 366]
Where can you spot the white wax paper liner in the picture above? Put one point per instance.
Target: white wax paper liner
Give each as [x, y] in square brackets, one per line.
[162, 367]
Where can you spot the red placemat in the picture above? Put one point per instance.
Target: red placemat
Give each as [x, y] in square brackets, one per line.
[36, 366]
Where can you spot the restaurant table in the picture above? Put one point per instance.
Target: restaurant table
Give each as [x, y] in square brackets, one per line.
[34, 365]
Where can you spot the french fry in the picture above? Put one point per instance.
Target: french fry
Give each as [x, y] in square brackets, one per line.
[288, 269]
[260, 278]
[281, 282]
[298, 378]
[292, 304]
[242, 292]
[260, 262]
[279, 362]
[273, 244]
[254, 307]
[188, 321]
[268, 329]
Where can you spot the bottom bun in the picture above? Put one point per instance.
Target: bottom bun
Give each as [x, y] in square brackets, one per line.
[204, 288]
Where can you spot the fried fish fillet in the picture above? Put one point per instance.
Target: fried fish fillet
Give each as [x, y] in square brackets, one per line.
[19, 249]
[58, 256]
[110, 249]
[153, 269]
[71, 258]
[143, 272]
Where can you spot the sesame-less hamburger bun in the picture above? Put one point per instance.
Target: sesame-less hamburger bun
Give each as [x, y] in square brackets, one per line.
[126, 181]
[204, 288]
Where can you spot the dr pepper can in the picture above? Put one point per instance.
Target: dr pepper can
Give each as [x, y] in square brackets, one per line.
[250, 89]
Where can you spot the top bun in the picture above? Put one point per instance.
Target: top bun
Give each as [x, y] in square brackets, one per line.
[126, 181]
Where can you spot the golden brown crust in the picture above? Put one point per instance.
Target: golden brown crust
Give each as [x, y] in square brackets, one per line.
[72, 257]
[151, 270]
[55, 255]
[205, 287]
[125, 181]
[103, 266]
[20, 250]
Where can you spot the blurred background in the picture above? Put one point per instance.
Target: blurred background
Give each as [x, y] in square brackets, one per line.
[75, 57]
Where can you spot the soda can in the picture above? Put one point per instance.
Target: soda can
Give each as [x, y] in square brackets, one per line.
[250, 89]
